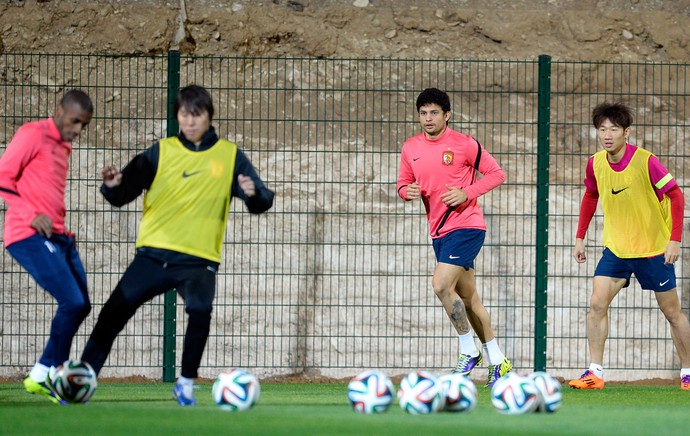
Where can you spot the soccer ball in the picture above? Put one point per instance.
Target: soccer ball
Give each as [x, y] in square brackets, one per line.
[236, 389]
[459, 391]
[74, 381]
[514, 394]
[370, 392]
[550, 393]
[421, 392]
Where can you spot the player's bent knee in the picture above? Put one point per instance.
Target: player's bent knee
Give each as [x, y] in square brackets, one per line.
[443, 293]
[79, 307]
[674, 315]
[597, 306]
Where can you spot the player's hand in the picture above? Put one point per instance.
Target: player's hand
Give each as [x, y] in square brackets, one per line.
[579, 251]
[453, 196]
[43, 225]
[247, 185]
[413, 192]
[111, 177]
[672, 252]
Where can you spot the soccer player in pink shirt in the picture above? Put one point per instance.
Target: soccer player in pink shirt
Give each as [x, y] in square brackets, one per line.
[441, 166]
[643, 226]
[33, 175]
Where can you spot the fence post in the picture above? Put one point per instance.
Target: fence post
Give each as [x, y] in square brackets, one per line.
[170, 298]
[543, 155]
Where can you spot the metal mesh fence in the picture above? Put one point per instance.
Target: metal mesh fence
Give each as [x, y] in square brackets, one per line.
[337, 276]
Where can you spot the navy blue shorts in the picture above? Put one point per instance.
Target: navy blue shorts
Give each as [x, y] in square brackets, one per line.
[459, 247]
[652, 273]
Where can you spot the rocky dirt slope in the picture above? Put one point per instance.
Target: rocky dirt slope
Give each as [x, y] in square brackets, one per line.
[607, 30]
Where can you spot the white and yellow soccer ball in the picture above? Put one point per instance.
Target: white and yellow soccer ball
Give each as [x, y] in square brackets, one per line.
[236, 390]
[370, 392]
[550, 392]
[459, 391]
[74, 381]
[421, 392]
[514, 394]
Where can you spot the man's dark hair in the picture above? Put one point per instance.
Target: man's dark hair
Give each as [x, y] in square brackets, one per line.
[195, 99]
[618, 113]
[78, 97]
[434, 96]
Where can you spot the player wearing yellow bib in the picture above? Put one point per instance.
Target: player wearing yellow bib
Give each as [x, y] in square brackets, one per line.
[643, 226]
[189, 181]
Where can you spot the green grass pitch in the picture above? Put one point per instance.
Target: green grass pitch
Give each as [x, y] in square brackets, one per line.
[323, 409]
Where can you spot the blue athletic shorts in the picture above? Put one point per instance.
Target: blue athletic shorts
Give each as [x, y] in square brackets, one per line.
[459, 247]
[651, 272]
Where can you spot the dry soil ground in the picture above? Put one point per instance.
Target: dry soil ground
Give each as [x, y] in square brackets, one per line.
[608, 30]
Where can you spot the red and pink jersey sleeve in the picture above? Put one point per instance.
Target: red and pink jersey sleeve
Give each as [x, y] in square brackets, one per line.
[33, 174]
[448, 161]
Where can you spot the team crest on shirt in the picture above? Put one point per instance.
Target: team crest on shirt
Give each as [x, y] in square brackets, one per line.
[217, 168]
[448, 157]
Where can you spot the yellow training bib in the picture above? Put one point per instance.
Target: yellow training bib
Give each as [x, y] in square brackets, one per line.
[186, 207]
[636, 224]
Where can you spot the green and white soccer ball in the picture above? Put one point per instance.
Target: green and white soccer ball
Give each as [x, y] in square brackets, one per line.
[74, 381]
[236, 390]
[370, 392]
[421, 392]
[514, 394]
[550, 392]
[459, 391]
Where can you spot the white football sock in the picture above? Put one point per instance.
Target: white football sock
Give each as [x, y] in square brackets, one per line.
[467, 344]
[597, 369]
[496, 356]
[39, 372]
[184, 381]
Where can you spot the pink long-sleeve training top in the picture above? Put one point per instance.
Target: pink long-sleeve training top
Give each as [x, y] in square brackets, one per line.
[448, 160]
[33, 175]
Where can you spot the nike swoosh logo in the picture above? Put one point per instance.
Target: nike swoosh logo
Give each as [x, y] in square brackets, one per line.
[453, 257]
[619, 191]
[662, 284]
[415, 159]
[185, 174]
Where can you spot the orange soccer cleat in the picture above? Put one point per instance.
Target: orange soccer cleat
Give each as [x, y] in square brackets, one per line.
[587, 381]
